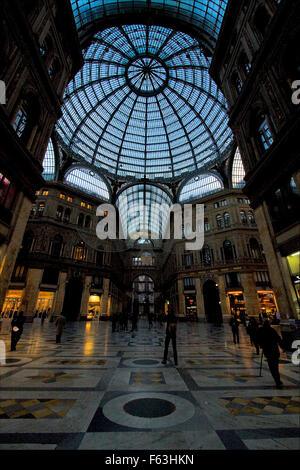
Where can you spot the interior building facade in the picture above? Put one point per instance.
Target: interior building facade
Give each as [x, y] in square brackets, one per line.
[187, 106]
[149, 166]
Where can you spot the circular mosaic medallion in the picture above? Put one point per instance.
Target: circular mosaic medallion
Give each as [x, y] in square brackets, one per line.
[149, 407]
[148, 410]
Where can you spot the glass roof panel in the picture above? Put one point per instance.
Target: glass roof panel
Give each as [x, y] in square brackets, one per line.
[238, 171]
[200, 186]
[139, 212]
[144, 105]
[206, 15]
[88, 181]
[49, 163]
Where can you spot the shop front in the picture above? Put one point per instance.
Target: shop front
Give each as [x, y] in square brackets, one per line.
[12, 302]
[293, 261]
[45, 301]
[190, 305]
[94, 307]
[237, 303]
[267, 303]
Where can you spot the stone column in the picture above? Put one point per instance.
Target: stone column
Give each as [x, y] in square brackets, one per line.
[31, 292]
[223, 297]
[60, 293]
[200, 300]
[181, 299]
[10, 251]
[279, 277]
[250, 295]
[85, 297]
[104, 300]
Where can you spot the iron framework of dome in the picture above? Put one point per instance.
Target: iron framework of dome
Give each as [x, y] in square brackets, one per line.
[144, 105]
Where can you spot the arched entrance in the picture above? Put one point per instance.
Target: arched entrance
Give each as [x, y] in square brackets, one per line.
[212, 306]
[72, 301]
[143, 295]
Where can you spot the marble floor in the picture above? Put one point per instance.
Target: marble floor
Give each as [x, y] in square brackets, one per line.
[104, 390]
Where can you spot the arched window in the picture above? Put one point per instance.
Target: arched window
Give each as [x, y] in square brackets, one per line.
[206, 225]
[67, 215]
[79, 252]
[243, 217]
[251, 217]
[265, 132]
[56, 246]
[237, 82]
[261, 19]
[238, 171]
[206, 255]
[219, 219]
[200, 186]
[228, 250]
[49, 163]
[244, 63]
[59, 212]
[21, 119]
[54, 69]
[87, 222]
[227, 220]
[99, 256]
[45, 47]
[89, 181]
[27, 115]
[80, 220]
[28, 242]
[254, 248]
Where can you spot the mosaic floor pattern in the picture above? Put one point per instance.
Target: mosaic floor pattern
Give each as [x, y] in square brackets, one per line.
[104, 390]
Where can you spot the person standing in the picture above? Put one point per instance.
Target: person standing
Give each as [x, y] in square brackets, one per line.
[252, 329]
[60, 324]
[16, 329]
[170, 336]
[235, 323]
[269, 339]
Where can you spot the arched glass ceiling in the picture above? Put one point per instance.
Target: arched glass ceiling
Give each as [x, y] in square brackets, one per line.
[139, 211]
[238, 171]
[205, 15]
[49, 163]
[144, 105]
[88, 181]
[200, 186]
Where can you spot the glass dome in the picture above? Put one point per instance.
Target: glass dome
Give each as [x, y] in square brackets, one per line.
[205, 16]
[144, 105]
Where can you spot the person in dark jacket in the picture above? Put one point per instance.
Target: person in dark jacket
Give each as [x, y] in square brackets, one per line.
[235, 323]
[252, 329]
[16, 329]
[170, 336]
[269, 339]
[60, 324]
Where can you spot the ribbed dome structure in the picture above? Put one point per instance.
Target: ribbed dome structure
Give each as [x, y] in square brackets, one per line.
[144, 105]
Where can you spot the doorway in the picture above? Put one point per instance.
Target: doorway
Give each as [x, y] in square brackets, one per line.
[212, 305]
[143, 295]
[72, 301]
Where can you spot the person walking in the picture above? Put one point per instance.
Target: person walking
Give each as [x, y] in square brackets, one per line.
[252, 329]
[235, 323]
[60, 324]
[170, 336]
[268, 339]
[16, 329]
